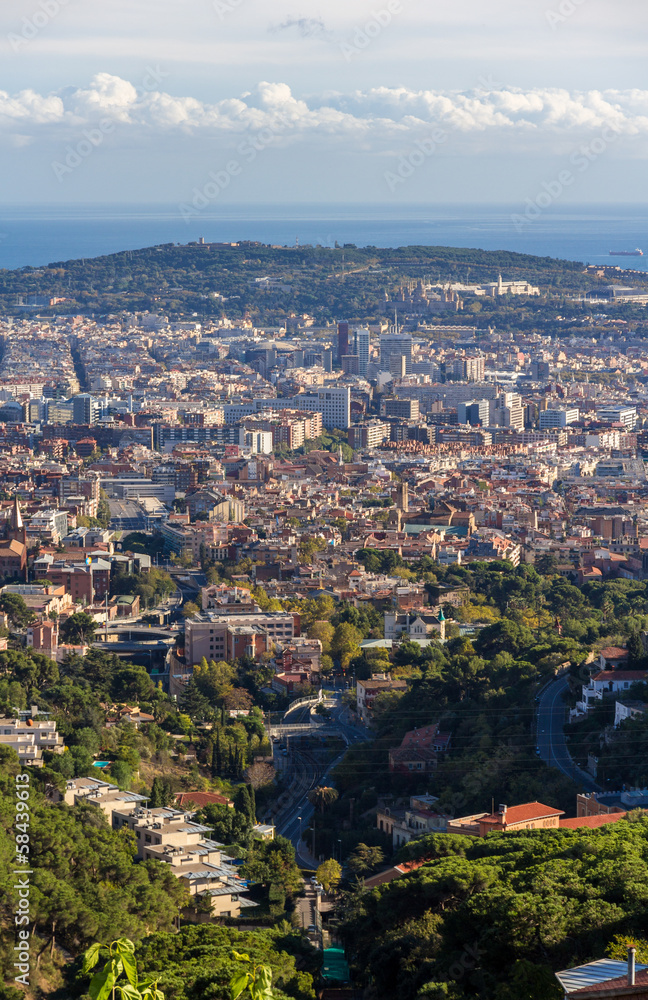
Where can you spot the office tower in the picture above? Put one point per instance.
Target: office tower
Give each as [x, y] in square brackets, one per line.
[361, 340]
[344, 342]
[395, 345]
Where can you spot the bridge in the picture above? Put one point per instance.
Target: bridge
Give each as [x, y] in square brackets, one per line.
[147, 646]
[137, 634]
[299, 729]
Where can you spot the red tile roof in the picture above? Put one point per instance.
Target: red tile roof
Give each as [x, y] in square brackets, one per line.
[591, 822]
[523, 814]
[619, 985]
[614, 652]
[389, 874]
[620, 675]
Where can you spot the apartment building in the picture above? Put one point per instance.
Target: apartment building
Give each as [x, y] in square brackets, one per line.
[220, 637]
[29, 738]
[85, 583]
[368, 435]
[171, 836]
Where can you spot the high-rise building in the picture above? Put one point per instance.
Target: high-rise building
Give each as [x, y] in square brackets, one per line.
[344, 342]
[395, 345]
[368, 435]
[402, 497]
[350, 364]
[507, 411]
[470, 369]
[85, 409]
[476, 412]
[362, 340]
[402, 409]
[558, 418]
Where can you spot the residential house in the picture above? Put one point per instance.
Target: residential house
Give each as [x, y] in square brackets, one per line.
[419, 820]
[529, 816]
[417, 626]
[419, 751]
[606, 978]
[607, 682]
[368, 690]
[29, 738]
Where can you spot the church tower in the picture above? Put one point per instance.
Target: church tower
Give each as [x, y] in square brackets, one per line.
[17, 530]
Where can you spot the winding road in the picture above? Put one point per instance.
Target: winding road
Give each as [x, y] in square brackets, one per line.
[551, 737]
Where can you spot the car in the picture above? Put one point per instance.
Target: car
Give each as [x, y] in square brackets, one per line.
[312, 929]
[319, 887]
[314, 879]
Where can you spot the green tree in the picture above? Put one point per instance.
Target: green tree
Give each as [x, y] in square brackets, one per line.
[365, 859]
[161, 793]
[329, 874]
[323, 631]
[346, 643]
[273, 862]
[78, 629]
[323, 798]
[14, 606]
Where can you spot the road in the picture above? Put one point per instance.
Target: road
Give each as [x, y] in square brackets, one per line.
[551, 737]
[307, 773]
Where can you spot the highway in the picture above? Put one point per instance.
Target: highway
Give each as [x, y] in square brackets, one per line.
[551, 737]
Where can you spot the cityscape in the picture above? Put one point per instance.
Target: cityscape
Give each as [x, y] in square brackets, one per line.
[323, 500]
[300, 611]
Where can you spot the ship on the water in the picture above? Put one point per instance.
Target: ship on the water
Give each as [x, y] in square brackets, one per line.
[627, 253]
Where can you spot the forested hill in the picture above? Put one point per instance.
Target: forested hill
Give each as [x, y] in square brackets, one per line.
[496, 918]
[329, 283]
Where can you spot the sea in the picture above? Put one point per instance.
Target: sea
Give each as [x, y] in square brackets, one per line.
[38, 235]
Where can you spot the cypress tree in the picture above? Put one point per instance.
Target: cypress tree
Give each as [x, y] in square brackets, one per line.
[155, 798]
[219, 755]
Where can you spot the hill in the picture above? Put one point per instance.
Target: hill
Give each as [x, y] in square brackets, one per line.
[212, 280]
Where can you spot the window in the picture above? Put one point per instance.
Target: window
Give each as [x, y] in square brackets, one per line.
[147, 838]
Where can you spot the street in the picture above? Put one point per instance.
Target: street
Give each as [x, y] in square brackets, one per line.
[308, 773]
[551, 738]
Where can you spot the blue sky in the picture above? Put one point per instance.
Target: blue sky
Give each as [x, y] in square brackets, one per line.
[276, 101]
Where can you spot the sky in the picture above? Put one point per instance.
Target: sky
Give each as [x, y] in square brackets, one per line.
[198, 102]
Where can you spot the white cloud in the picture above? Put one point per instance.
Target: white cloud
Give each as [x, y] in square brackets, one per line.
[382, 112]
